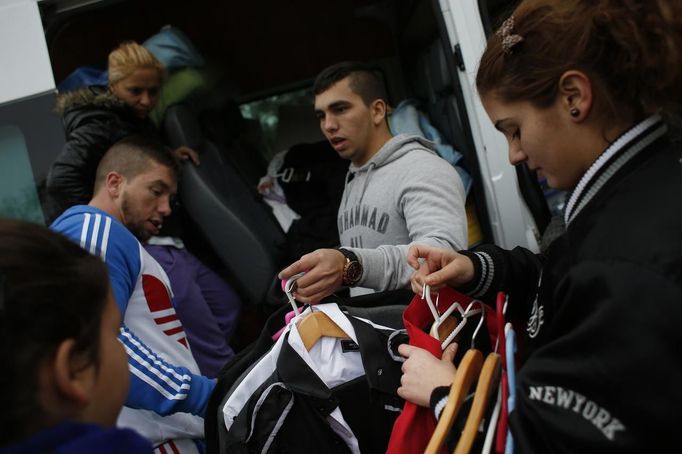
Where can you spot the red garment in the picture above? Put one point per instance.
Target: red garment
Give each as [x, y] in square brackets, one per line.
[415, 425]
[501, 435]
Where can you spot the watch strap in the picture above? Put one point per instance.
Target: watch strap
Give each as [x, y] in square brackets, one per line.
[350, 255]
[352, 269]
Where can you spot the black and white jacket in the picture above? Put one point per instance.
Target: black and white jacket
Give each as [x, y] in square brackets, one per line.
[603, 308]
[338, 397]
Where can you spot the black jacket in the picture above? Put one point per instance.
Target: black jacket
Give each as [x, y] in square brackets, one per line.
[288, 410]
[93, 120]
[312, 177]
[602, 369]
[383, 308]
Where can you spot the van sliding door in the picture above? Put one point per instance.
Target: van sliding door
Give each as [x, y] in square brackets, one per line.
[515, 205]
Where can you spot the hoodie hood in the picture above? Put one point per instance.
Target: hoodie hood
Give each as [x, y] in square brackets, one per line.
[397, 147]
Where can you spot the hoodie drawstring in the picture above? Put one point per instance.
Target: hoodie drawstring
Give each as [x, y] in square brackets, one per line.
[370, 167]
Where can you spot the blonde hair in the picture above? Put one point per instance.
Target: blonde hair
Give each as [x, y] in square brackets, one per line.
[129, 56]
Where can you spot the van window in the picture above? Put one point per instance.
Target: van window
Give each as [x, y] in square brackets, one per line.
[284, 119]
[18, 194]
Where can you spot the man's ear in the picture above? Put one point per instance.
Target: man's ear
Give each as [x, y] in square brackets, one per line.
[378, 111]
[114, 183]
[73, 373]
[575, 92]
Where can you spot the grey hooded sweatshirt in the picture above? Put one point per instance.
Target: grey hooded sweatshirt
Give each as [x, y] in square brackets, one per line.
[406, 194]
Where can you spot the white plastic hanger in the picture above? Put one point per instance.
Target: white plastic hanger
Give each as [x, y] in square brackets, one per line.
[315, 324]
[426, 295]
[504, 312]
[289, 286]
[440, 318]
[443, 324]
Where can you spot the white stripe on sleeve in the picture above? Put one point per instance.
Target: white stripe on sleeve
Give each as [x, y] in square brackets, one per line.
[105, 238]
[84, 230]
[95, 232]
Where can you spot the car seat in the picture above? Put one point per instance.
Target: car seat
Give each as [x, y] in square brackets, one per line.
[227, 210]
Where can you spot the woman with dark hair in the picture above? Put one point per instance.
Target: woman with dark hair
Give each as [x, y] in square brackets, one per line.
[65, 374]
[587, 92]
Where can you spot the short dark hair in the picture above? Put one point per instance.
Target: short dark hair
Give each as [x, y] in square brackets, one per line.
[132, 155]
[365, 80]
[51, 290]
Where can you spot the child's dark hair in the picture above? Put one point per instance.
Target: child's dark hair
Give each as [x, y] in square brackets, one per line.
[51, 290]
[364, 80]
[631, 50]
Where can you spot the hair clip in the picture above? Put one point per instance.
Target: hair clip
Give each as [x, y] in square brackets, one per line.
[509, 40]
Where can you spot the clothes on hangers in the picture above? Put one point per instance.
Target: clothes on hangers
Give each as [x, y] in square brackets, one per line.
[314, 401]
[485, 437]
[510, 351]
[215, 431]
[415, 425]
[492, 423]
[503, 421]
[287, 318]
[384, 308]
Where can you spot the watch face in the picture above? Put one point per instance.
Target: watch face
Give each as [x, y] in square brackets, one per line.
[353, 273]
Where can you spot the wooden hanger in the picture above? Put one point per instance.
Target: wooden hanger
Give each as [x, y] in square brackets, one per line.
[490, 376]
[316, 325]
[467, 371]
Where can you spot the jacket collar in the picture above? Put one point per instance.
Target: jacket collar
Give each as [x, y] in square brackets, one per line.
[617, 155]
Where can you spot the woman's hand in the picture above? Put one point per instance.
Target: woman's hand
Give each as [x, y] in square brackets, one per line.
[184, 153]
[437, 267]
[423, 372]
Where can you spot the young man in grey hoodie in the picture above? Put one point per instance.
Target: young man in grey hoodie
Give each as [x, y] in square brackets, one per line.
[398, 192]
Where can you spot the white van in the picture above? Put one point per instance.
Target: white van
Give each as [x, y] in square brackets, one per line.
[270, 51]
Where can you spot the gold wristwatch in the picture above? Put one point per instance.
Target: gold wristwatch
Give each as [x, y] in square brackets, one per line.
[352, 269]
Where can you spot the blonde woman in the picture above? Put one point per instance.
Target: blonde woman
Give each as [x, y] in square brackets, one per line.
[96, 117]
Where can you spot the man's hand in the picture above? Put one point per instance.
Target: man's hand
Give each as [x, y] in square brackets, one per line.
[184, 153]
[323, 274]
[437, 267]
[423, 372]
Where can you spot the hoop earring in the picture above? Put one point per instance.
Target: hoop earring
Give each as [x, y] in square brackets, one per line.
[574, 112]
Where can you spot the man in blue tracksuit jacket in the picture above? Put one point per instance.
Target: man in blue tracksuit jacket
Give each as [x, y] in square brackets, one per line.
[135, 182]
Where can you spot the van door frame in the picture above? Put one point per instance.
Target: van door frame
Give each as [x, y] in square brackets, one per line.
[510, 220]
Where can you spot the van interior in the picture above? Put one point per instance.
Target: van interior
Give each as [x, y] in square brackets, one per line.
[262, 57]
